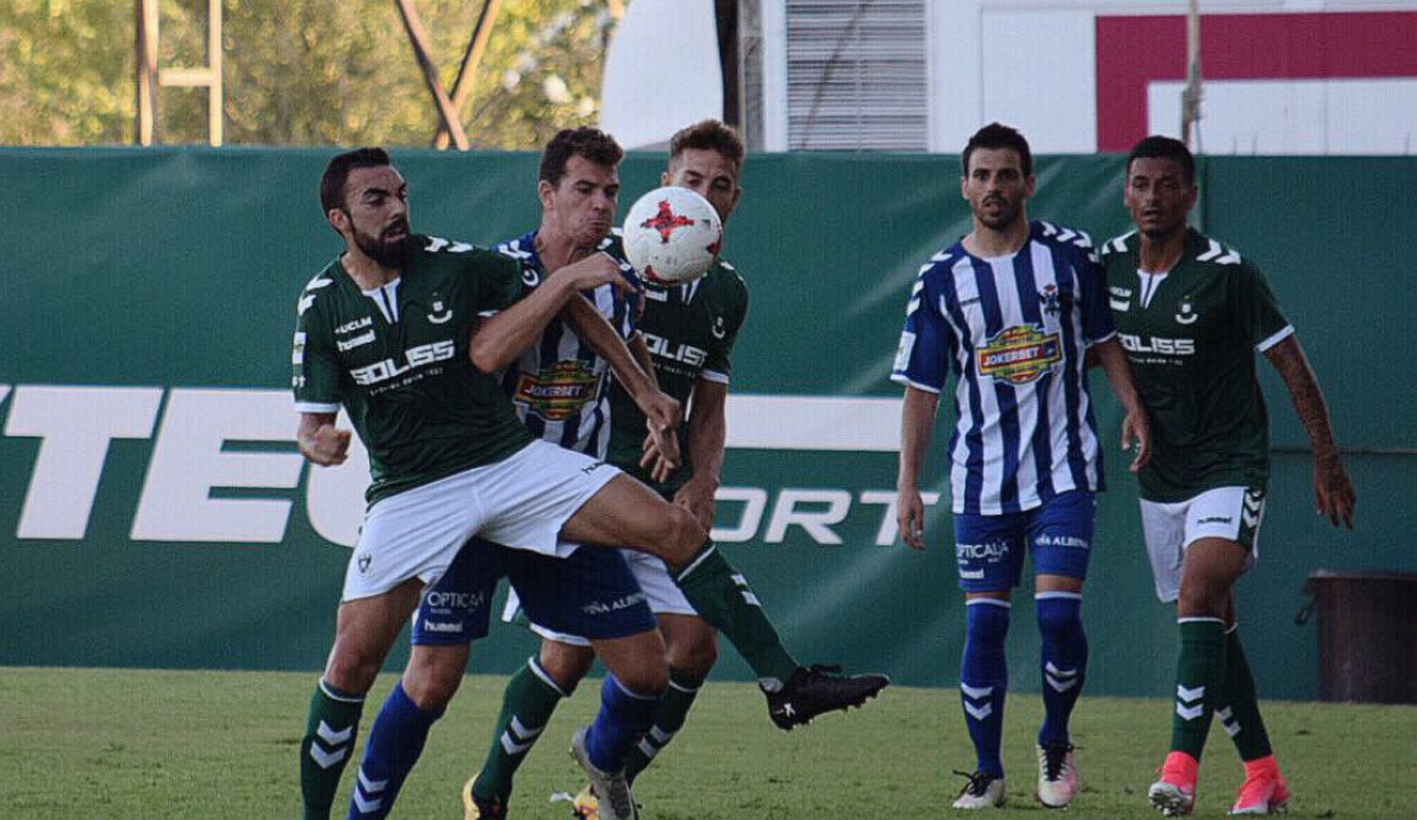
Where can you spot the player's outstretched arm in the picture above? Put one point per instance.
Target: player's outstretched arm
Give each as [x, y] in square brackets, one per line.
[1333, 492]
[1136, 427]
[917, 422]
[319, 441]
[498, 341]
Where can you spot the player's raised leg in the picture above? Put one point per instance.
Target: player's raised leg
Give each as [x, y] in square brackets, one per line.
[626, 513]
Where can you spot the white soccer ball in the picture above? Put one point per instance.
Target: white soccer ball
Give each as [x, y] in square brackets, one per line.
[672, 235]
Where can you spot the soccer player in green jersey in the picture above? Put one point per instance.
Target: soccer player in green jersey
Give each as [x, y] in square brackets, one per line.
[1190, 311]
[405, 332]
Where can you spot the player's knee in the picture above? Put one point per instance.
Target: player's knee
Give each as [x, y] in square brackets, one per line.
[352, 669]
[694, 653]
[566, 664]
[647, 677]
[1059, 623]
[683, 536]
[432, 685]
[1197, 601]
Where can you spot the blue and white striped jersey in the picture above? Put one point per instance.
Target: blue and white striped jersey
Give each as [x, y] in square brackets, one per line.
[559, 384]
[1015, 331]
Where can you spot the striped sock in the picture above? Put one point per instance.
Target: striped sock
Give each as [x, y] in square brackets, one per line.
[984, 679]
[530, 699]
[1064, 661]
[330, 732]
[668, 720]
[624, 718]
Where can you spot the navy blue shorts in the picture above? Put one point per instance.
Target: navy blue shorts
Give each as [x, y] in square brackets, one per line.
[990, 548]
[591, 592]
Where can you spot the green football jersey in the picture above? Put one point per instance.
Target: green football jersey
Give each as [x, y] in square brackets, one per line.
[397, 359]
[1191, 335]
[690, 330]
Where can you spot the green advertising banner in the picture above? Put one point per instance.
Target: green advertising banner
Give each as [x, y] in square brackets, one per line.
[154, 512]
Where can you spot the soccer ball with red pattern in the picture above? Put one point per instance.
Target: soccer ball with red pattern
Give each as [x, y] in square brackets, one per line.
[672, 235]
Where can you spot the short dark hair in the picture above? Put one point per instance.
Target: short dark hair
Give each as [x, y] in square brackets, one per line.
[337, 174]
[708, 135]
[995, 136]
[1159, 147]
[591, 143]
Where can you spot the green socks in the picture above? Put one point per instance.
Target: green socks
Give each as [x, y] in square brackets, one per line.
[1240, 706]
[527, 704]
[330, 732]
[668, 720]
[1200, 677]
[722, 598]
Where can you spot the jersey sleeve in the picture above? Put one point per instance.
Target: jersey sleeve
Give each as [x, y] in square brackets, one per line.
[1097, 323]
[316, 375]
[499, 284]
[1257, 310]
[927, 344]
[719, 362]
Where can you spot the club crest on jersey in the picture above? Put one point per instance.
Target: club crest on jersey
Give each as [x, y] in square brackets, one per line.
[1019, 355]
[441, 313]
[718, 330]
[1049, 299]
[559, 392]
[1185, 312]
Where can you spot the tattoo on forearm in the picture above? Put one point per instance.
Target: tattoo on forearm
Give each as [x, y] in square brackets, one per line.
[1308, 398]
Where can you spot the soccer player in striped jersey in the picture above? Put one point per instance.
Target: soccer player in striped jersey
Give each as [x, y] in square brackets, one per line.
[565, 656]
[1011, 310]
[1190, 311]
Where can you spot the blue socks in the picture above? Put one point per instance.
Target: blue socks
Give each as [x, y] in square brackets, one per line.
[1064, 661]
[984, 679]
[394, 745]
[623, 719]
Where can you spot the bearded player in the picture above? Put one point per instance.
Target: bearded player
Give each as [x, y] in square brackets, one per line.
[1192, 313]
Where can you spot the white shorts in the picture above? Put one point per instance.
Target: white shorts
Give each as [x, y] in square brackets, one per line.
[663, 595]
[520, 502]
[1232, 513]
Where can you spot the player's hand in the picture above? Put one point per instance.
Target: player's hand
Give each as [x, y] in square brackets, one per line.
[910, 517]
[1136, 429]
[1333, 492]
[654, 462]
[697, 497]
[592, 272]
[327, 447]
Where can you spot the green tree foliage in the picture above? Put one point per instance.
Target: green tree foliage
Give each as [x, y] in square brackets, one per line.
[299, 72]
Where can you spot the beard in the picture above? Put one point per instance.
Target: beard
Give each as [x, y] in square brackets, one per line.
[1006, 216]
[388, 253]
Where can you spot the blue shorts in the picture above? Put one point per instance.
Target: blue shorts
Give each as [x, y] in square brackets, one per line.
[990, 548]
[590, 592]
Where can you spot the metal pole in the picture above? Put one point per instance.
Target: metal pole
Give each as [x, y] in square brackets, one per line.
[471, 59]
[1191, 96]
[419, 40]
[145, 127]
[214, 63]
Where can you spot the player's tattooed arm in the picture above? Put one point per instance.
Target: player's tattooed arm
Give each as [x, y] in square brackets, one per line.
[319, 441]
[1136, 427]
[916, 424]
[1333, 492]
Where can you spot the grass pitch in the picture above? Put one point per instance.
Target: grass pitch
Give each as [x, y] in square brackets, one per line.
[111, 744]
